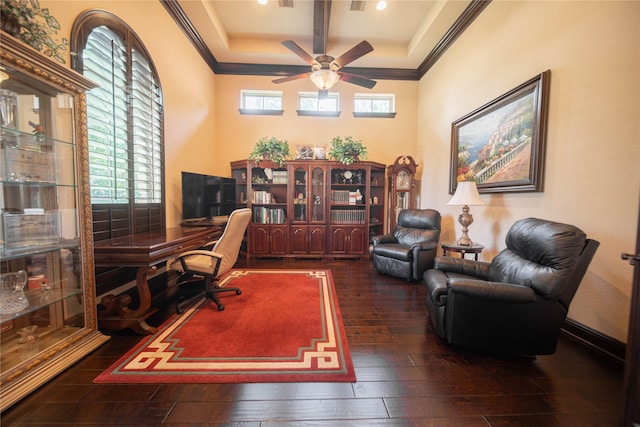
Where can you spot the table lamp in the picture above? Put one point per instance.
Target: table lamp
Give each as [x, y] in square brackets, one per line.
[466, 195]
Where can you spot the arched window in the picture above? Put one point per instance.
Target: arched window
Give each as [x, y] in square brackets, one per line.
[125, 126]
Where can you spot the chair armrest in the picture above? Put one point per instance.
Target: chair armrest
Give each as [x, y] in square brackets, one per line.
[209, 245]
[492, 291]
[200, 252]
[215, 256]
[468, 267]
[427, 245]
[385, 238]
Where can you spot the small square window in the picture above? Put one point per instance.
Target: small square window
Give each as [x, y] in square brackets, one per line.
[378, 103]
[319, 103]
[260, 102]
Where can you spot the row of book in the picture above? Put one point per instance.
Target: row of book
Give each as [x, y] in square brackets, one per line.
[262, 215]
[261, 196]
[344, 216]
[279, 177]
[346, 197]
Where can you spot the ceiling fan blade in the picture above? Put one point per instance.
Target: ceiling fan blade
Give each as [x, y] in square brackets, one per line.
[357, 80]
[291, 77]
[293, 47]
[354, 53]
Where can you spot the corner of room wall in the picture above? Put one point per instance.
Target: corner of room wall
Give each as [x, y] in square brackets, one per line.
[591, 176]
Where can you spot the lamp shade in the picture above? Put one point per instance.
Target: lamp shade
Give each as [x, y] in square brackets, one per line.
[466, 195]
[324, 79]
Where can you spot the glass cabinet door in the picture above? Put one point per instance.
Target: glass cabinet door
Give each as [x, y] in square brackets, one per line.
[47, 317]
[308, 194]
[300, 194]
[41, 296]
[318, 194]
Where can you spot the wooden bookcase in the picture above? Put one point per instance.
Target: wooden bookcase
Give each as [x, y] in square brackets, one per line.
[311, 209]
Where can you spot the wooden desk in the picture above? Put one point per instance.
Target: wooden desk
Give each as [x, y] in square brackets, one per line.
[145, 251]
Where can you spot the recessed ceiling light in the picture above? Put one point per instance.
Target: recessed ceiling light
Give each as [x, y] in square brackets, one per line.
[262, 1]
[381, 5]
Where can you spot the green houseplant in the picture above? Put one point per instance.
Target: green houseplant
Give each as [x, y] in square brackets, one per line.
[272, 149]
[35, 26]
[347, 150]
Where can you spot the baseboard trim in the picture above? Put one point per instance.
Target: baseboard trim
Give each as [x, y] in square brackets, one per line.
[604, 344]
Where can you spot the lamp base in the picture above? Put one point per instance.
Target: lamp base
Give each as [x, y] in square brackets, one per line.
[465, 219]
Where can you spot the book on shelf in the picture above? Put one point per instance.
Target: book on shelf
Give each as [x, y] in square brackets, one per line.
[264, 215]
[347, 216]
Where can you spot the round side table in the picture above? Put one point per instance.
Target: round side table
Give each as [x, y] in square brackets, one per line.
[474, 249]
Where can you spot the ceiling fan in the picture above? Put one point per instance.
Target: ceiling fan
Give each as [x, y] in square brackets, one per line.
[325, 69]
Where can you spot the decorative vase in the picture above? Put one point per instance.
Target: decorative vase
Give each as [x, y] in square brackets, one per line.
[12, 297]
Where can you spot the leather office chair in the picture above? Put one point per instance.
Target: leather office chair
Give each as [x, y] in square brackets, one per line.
[411, 248]
[213, 263]
[517, 303]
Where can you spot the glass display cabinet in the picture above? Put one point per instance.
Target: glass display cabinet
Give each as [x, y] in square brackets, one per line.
[47, 284]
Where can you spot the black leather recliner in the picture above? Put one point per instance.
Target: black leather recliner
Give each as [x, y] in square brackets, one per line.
[517, 303]
[410, 250]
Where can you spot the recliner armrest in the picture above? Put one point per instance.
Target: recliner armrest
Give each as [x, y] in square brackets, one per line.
[385, 238]
[427, 245]
[468, 267]
[492, 291]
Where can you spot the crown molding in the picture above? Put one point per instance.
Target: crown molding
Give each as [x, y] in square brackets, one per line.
[472, 11]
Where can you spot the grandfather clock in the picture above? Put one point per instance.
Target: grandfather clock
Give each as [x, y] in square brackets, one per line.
[402, 178]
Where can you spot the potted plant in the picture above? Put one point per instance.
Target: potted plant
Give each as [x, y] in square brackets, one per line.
[347, 150]
[272, 149]
[35, 26]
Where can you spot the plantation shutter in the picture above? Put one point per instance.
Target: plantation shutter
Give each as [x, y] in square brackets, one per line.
[105, 62]
[124, 118]
[147, 135]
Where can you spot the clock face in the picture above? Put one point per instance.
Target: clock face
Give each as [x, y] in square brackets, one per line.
[348, 174]
[403, 181]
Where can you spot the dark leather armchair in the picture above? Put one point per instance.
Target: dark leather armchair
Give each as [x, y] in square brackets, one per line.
[517, 303]
[410, 250]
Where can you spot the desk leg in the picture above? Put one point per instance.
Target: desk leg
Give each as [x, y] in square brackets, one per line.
[117, 315]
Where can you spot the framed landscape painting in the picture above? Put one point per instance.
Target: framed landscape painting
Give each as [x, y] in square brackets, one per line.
[501, 145]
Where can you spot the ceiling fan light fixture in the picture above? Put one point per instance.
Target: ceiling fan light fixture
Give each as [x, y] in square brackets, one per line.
[324, 79]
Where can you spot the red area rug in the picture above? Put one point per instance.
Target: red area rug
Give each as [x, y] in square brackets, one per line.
[285, 327]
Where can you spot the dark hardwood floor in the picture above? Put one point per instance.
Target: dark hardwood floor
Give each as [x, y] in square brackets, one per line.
[406, 377]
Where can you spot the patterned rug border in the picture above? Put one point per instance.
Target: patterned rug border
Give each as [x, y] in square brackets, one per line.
[327, 359]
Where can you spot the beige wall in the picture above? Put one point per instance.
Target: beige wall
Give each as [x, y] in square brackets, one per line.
[592, 176]
[592, 173]
[385, 139]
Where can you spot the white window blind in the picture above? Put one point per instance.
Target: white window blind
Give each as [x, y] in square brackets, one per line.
[124, 118]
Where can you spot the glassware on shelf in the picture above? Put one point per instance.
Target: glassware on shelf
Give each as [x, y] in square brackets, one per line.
[27, 334]
[12, 297]
[28, 341]
[8, 107]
